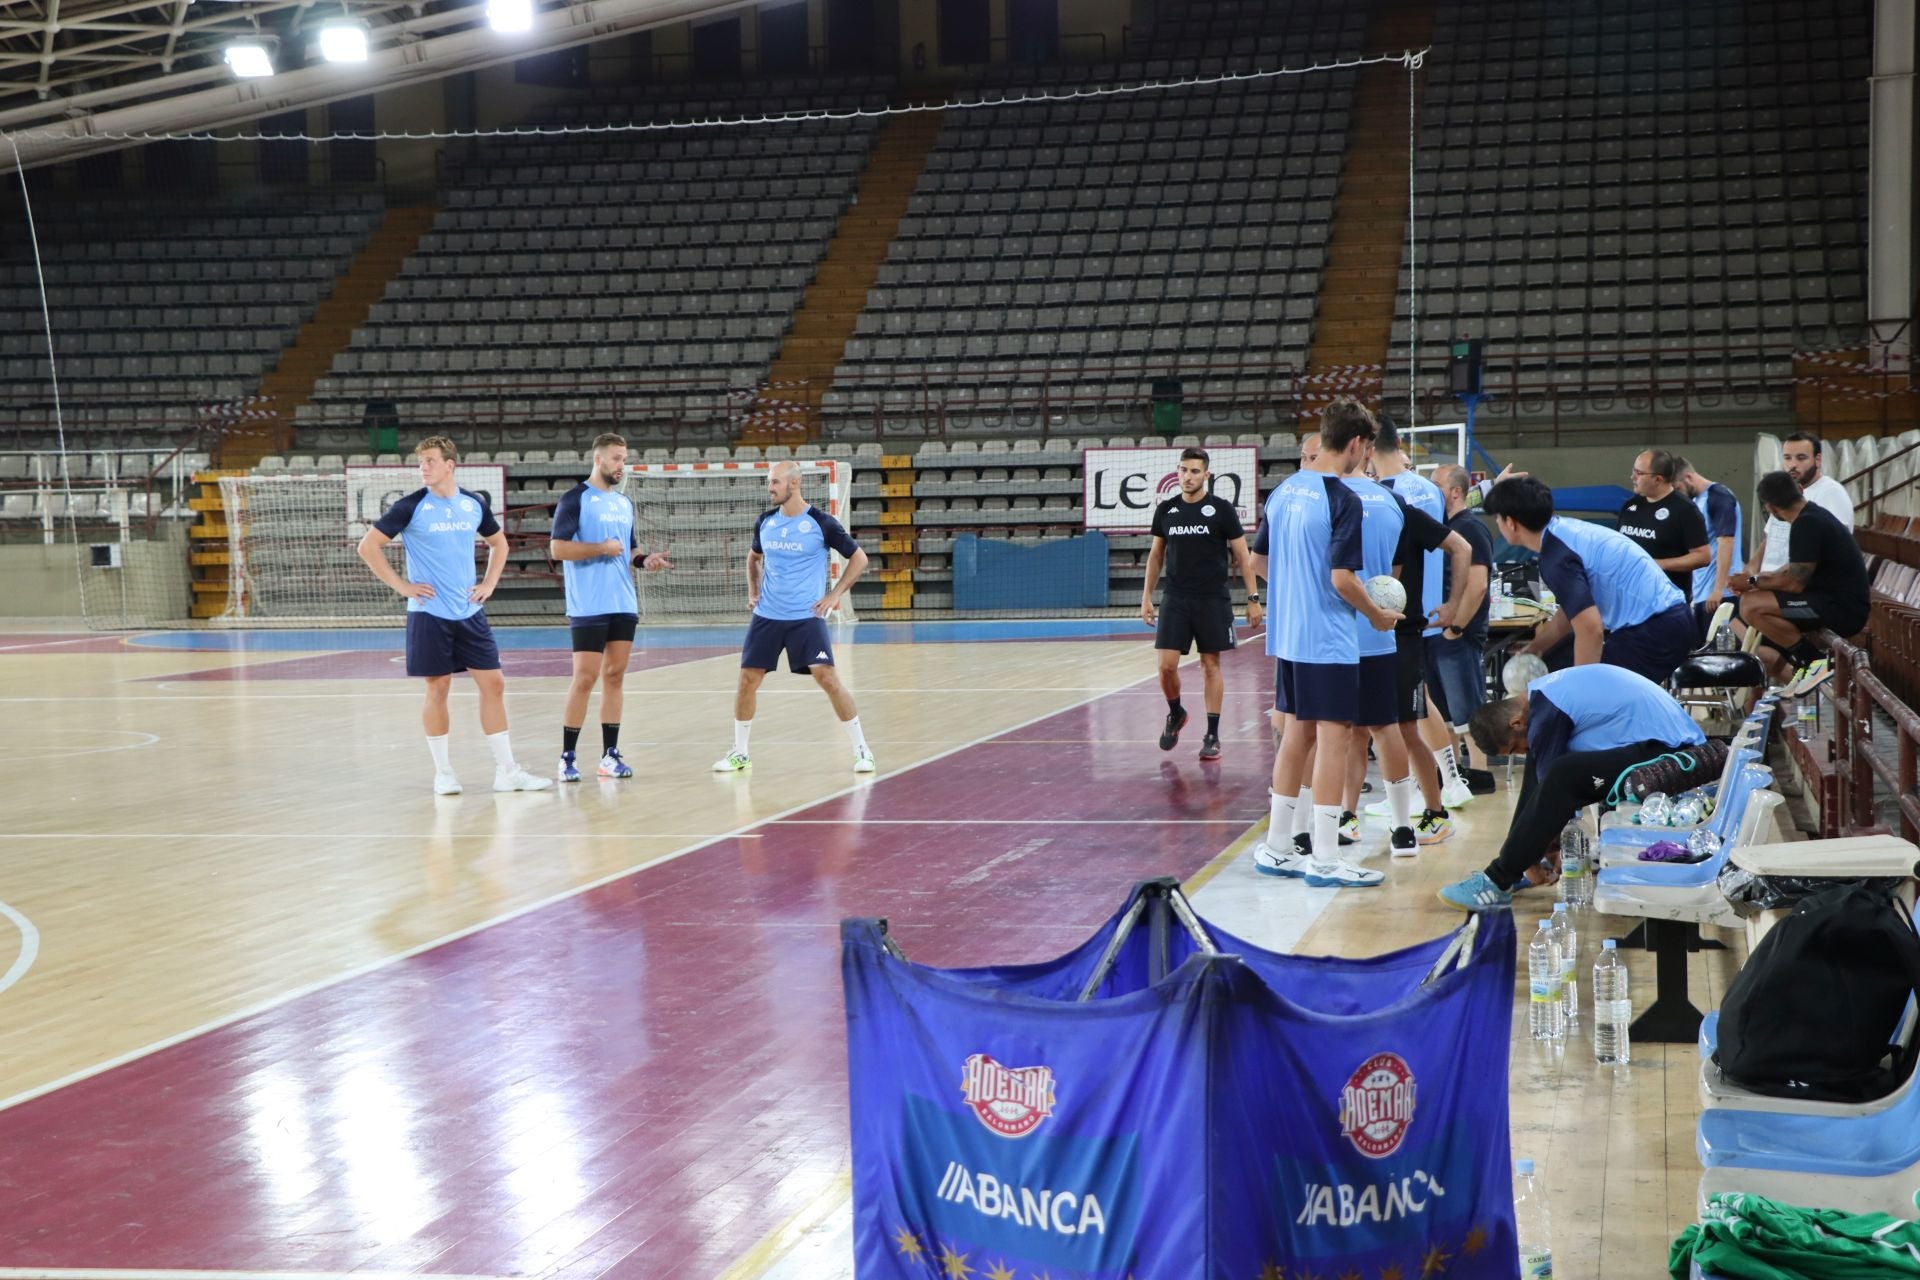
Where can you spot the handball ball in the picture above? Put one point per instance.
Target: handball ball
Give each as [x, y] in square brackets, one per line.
[1522, 669]
[1388, 593]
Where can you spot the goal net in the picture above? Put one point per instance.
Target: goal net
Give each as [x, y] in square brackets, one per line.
[702, 515]
[292, 539]
[291, 552]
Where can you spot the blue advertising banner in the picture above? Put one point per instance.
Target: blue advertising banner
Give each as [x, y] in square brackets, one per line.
[1233, 1115]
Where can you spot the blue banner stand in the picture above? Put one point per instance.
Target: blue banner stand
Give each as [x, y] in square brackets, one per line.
[1169, 1101]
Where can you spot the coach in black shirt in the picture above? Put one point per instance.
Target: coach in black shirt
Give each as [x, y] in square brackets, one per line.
[1664, 521]
[1823, 583]
[1193, 534]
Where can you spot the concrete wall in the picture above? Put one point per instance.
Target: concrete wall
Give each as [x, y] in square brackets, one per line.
[411, 166]
[41, 580]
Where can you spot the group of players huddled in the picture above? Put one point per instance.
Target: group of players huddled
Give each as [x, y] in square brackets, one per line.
[1347, 669]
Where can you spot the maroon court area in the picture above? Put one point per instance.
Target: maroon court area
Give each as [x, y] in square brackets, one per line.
[639, 1081]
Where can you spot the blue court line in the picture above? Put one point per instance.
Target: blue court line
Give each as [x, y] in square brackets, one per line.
[953, 631]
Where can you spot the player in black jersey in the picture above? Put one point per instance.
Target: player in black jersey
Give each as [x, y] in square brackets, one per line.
[1195, 533]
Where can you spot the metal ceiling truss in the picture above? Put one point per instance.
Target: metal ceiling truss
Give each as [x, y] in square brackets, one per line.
[74, 70]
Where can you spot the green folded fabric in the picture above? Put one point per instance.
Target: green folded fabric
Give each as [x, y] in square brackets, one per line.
[1748, 1237]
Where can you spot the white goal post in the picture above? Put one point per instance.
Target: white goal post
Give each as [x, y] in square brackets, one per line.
[702, 515]
[292, 538]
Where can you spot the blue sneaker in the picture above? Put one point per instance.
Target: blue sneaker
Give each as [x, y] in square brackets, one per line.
[612, 766]
[567, 773]
[1476, 893]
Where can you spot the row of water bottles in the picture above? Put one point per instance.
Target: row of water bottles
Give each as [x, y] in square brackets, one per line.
[1553, 988]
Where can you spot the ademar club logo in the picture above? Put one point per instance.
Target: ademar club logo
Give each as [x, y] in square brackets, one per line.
[1376, 1106]
[1011, 1101]
[1168, 486]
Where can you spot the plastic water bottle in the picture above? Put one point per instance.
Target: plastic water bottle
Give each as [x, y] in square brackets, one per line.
[1568, 940]
[1546, 1017]
[1612, 1007]
[1532, 1224]
[1576, 869]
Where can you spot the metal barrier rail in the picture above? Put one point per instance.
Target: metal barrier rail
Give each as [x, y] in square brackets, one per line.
[1843, 767]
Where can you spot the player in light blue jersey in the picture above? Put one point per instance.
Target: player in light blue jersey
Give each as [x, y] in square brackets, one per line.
[1392, 668]
[594, 540]
[1581, 729]
[447, 628]
[1616, 605]
[1311, 557]
[790, 596]
[1429, 748]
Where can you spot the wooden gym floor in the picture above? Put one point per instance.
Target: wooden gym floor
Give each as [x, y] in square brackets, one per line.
[268, 1005]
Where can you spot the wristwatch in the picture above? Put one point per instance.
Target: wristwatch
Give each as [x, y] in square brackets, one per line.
[1254, 598]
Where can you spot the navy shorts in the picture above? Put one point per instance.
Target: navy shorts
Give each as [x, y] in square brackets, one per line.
[1654, 648]
[1379, 694]
[1327, 691]
[594, 634]
[439, 646]
[803, 640]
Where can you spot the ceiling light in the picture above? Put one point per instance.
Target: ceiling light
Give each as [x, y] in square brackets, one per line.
[510, 16]
[249, 59]
[344, 40]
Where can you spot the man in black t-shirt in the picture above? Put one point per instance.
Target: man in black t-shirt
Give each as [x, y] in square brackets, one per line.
[1823, 583]
[1193, 534]
[1664, 521]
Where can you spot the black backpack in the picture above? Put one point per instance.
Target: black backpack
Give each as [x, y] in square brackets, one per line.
[1815, 1012]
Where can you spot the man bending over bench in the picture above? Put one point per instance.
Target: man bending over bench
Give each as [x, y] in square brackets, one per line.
[1581, 729]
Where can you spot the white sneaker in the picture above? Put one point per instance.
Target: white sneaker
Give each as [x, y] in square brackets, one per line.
[1341, 875]
[1378, 809]
[732, 762]
[1269, 861]
[518, 779]
[1456, 794]
[445, 784]
[863, 762]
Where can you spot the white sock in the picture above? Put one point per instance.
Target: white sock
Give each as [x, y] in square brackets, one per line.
[1463, 759]
[439, 748]
[1280, 813]
[1449, 767]
[502, 749]
[741, 728]
[1303, 813]
[854, 734]
[1400, 801]
[1326, 833]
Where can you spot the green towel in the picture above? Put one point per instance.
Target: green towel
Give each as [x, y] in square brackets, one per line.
[1747, 1237]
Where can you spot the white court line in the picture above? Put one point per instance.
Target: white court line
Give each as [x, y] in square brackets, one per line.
[384, 835]
[29, 947]
[1242, 822]
[59, 754]
[410, 694]
[44, 644]
[275, 1002]
[633, 835]
[104, 1273]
